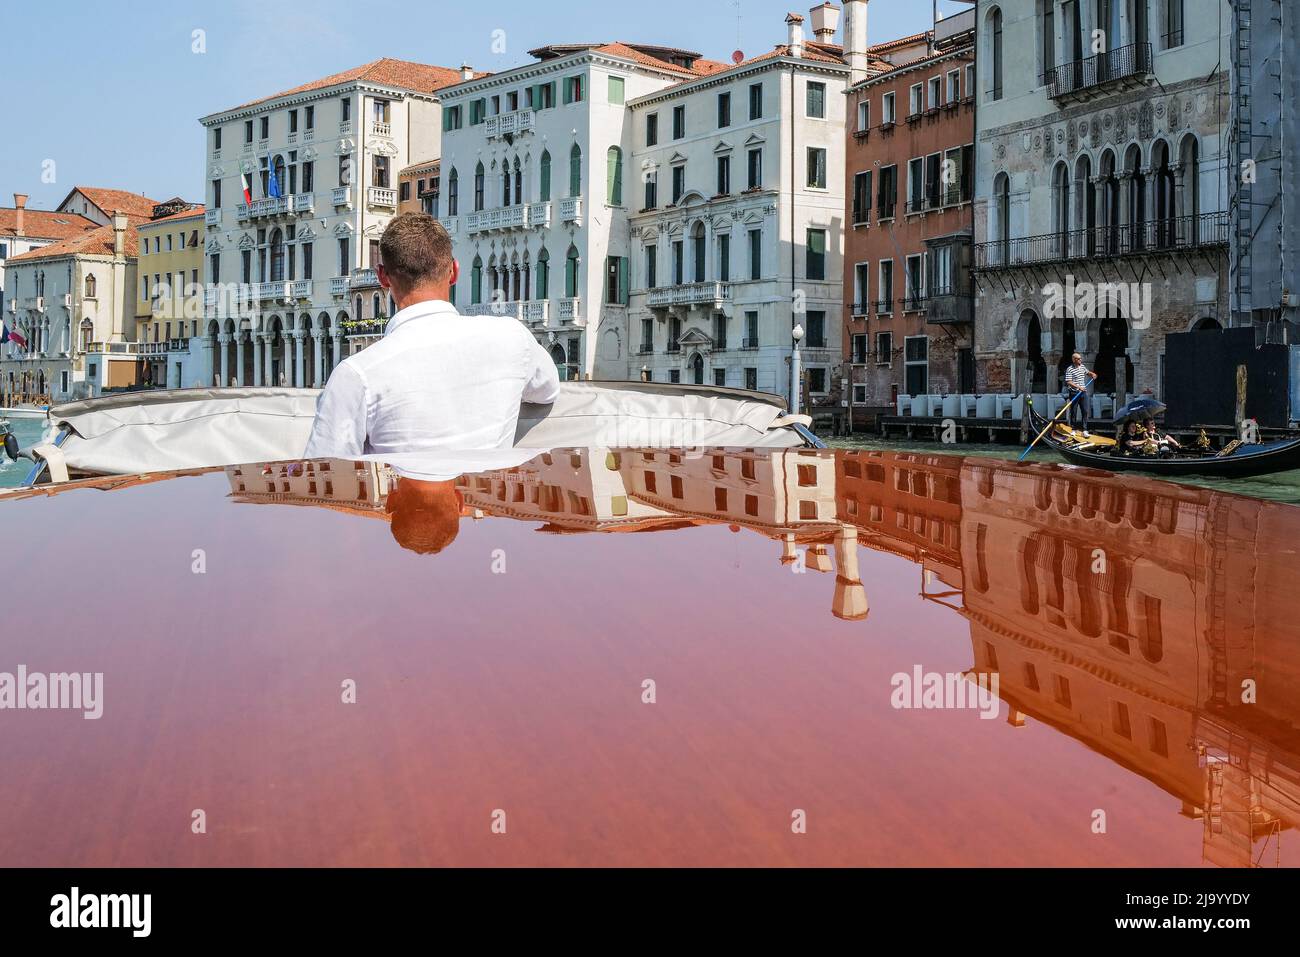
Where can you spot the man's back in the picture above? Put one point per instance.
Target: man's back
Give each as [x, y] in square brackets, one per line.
[436, 380]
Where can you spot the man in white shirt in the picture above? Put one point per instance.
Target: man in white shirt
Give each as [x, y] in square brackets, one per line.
[437, 379]
[1077, 378]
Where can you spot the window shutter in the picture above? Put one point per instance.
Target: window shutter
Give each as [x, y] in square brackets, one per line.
[622, 280]
[568, 90]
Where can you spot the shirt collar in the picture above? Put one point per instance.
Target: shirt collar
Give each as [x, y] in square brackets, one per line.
[430, 307]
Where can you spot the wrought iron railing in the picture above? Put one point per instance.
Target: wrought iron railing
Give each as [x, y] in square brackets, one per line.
[1170, 234]
[1120, 63]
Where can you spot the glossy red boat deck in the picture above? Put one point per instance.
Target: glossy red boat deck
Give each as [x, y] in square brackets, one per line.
[506, 672]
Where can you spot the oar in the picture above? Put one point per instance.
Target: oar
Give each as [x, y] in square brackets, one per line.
[1067, 405]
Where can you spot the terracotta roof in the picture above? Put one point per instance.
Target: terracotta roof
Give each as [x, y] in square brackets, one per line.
[111, 200]
[94, 242]
[401, 74]
[43, 223]
[183, 214]
[647, 54]
[901, 42]
[432, 164]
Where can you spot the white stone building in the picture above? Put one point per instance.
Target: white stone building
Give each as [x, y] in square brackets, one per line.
[739, 231]
[536, 191]
[1102, 169]
[74, 301]
[281, 269]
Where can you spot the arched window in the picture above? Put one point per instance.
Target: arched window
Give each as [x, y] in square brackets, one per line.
[614, 176]
[375, 309]
[697, 369]
[505, 183]
[1165, 198]
[519, 182]
[478, 187]
[1137, 197]
[698, 252]
[1109, 213]
[1061, 210]
[544, 187]
[1086, 214]
[1189, 189]
[453, 193]
[575, 171]
[277, 256]
[571, 273]
[543, 274]
[1002, 218]
[90, 287]
[357, 302]
[476, 282]
[995, 54]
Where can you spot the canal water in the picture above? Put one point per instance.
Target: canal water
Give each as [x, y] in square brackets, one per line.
[29, 432]
[1282, 487]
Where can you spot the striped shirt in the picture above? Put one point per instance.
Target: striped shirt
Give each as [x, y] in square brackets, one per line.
[1077, 376]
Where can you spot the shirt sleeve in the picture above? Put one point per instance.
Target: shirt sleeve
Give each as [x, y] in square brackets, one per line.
[541, 380]
[341, 417]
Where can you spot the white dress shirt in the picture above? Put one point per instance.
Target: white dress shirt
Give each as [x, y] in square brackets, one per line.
[436, 380]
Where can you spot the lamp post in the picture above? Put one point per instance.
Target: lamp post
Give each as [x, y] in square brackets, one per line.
[797, 335]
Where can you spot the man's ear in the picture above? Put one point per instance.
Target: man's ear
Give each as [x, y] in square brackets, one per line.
[454, 274]
[382, 276]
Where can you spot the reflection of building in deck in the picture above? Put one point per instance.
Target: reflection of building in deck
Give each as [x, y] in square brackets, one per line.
[1128, 616]
[357, 487]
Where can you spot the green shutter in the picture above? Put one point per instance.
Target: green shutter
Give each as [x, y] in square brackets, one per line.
[622, 280]
[546, 177]
[575, 171]
[614, 176]
[543, 279]
[568, 87]
[570, 276]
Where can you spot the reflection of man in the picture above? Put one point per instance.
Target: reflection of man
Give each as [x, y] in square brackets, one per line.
[437, 379]
[425, 515]
[1077, 378]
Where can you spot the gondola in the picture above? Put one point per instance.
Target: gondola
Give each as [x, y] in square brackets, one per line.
[1240, 462]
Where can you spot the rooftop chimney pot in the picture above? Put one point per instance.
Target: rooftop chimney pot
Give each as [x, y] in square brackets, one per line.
[20, 204]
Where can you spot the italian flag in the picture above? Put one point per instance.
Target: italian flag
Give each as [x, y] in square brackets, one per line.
[248, 188]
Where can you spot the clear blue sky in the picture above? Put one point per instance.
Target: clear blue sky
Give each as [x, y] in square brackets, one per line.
[112, 91]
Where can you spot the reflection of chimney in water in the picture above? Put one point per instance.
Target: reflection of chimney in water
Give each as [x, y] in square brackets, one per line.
[817, 558]
[789, 553]
[850, 602]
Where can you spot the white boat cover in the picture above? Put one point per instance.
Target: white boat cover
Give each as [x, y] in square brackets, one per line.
[202, 428]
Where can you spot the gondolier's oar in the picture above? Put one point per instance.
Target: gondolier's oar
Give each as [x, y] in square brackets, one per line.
[1073, 399]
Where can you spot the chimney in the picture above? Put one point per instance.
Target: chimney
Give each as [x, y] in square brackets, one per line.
[119, 233]
[794, 42]
[825, 21]
[466, 72]
[20, 204]
[855, 39]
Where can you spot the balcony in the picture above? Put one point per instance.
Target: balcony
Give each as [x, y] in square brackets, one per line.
[278, 290]
[342, 196]
[570, 310]
[884, 307]
[749, 342]
[380, 128]
[119, 348]
[947, 305]
[509, 217]
[361, 278]
[302, 289]
[513, 310]
[304, 203]
[212, 217]
[262, 208]
[571, 210]
[339, 286]
[709, 293]
[538, 310]
[520, 121]
[178, 345]
[449, 223]
[345, 128]
[1167, 236]
[673, 347]
[381, 196]
[1125, 66]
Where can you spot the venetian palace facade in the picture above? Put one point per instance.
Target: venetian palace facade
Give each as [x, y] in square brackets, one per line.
[1103, 172]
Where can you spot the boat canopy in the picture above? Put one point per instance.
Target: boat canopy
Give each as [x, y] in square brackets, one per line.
[204, 428]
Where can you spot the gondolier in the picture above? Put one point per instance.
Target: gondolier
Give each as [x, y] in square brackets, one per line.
[1077, 377]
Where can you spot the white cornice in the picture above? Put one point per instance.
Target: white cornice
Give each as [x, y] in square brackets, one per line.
[723, 77]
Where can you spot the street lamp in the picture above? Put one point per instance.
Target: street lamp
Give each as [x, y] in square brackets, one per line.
[797, 335]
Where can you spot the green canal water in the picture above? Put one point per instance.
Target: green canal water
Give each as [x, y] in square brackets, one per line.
[1282, 487]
